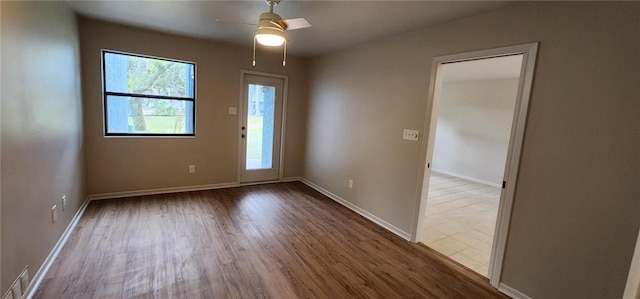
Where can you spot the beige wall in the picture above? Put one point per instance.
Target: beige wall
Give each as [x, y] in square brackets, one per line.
[42, 144]
[132, 164]
[474, 126]
[575, 216]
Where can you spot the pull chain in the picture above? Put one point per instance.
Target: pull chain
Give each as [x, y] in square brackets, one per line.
[284, 60]
[254, 51]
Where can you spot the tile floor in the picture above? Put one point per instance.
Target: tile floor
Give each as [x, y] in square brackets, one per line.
[460, 220]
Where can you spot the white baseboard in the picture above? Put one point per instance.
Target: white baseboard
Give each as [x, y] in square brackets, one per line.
[161, 191]
[111, 195]
[386, 225]
[291, 179]
[468, 178]
[48, 262]
[511, 292]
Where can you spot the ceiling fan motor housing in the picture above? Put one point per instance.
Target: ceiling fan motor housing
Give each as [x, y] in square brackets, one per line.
[271, 20]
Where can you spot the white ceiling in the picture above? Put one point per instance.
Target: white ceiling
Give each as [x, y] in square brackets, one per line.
[336, 24]
[506, 67]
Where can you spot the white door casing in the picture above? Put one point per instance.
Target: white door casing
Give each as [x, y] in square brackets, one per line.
[529, 52]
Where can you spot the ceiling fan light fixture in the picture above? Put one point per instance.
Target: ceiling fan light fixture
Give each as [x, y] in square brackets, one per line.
[270, 37]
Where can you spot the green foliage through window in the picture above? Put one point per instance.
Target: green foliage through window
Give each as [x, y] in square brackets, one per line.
[148, 96]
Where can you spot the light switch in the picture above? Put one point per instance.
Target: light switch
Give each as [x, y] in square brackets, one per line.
[233, 111]
[410, 134]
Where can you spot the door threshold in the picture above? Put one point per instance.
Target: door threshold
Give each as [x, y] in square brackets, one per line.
[260, 183]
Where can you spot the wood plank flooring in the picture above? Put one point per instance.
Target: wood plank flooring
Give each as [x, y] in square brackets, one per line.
[267, 241]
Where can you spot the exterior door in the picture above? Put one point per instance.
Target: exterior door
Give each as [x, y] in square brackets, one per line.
[261, 128]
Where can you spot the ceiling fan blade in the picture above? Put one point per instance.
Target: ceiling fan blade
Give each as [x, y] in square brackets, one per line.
[298, 23]
[235, 22]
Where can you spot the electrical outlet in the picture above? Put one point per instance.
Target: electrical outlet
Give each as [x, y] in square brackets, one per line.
[19, 286]
[233, 111]
[16, 290]
[192, 168]
[64, 202]
[350, 183]
[54, 214]
[24, 280]
[410, 134]
[8, 295]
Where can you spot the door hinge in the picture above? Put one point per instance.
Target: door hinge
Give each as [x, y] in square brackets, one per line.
[504, 184]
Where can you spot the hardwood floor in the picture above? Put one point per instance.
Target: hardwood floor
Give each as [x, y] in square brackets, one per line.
[266, 241]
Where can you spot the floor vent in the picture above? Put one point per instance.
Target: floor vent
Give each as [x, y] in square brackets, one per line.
[19, 286]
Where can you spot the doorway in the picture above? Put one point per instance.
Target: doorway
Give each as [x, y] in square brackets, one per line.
[483, 192]
[261, 127]
[473, 127]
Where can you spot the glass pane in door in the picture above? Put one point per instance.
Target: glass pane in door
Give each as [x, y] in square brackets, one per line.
[260, 126]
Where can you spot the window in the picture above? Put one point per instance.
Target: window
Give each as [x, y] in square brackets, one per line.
[147, 96]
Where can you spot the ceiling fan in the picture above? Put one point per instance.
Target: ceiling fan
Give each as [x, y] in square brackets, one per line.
[271, 29]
